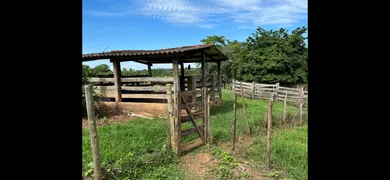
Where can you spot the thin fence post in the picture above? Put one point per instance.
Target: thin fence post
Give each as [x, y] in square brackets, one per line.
[93, 132]
[233, 85]
[253, 90]
[234, 119]
[269, 130]
[285, 108]
[208, 119]
[277, 89]
[300, 105]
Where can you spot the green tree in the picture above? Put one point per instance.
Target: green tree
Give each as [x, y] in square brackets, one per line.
[274, 56]
[102, 69]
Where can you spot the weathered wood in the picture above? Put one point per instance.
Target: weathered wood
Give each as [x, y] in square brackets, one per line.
[93, 132]
[301, 101]
[285, 109]
[193, 82]
[269, 130]
[133, 79]
[117, 81]
[190, 93]
[145, 88]
[177, 104]
[234, 120]
[149, 79]
[171, 118]
[246, 115]
[182, 84]
[145, 96]
[253, 89]
[212, 85]
[191, 144]
[204, 93]
[188, 110]
[187, 132]
[219, 79]
[208, 120]
[197, 115]
[193, 104]
[150, 69]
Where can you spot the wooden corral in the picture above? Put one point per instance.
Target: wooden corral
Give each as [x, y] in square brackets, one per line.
[182, 98]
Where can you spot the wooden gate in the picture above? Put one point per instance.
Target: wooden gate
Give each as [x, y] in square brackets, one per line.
[186, 111]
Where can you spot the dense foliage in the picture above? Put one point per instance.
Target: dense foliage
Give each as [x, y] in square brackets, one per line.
[266, 57]
[274, 56]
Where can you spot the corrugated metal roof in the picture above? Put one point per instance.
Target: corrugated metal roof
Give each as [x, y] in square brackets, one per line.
[151, 53]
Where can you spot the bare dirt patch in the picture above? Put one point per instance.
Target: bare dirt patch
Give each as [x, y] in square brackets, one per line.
[112, 119]
[199, 165]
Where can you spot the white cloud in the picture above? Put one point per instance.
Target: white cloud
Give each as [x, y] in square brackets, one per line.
[210, 13]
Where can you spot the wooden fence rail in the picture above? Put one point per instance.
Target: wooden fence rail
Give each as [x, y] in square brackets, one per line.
[266, 91]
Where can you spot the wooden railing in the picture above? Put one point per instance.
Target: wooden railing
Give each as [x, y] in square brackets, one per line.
[266, 91]
[150, 87]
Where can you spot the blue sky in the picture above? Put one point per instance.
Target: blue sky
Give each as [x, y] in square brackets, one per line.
[157, 24]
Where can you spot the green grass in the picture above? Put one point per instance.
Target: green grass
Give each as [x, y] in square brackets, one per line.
[222, 117]
[139, 147]
[288, 151]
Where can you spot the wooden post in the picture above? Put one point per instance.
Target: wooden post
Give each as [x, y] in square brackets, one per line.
[253, 89]
[269, 130]
[176, 103]
[193, 82]
[117, 80]
[93, 132]
[301, 93]
[171, 117]
[234, 120]
[212, 84]
[277, 89]
[233, 85]
[208, 119]
[285, 108]
[246, 115]
[219, 79]
[204, 95]
[182, 83]
[150, 69]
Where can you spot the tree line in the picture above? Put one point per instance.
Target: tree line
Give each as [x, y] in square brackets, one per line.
[265, 57]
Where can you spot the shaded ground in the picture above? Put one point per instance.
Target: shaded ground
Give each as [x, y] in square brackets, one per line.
[112, 118]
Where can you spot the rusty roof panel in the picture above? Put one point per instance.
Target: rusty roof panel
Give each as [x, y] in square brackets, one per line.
[128, 53]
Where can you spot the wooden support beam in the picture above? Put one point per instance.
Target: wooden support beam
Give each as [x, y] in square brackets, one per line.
[117, 80]
[150, 69]
[219, 79]
[177, 104]
[182, 87]
[204, 95]
[171, 118]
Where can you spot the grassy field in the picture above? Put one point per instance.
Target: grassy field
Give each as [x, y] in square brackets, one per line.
[138, 149]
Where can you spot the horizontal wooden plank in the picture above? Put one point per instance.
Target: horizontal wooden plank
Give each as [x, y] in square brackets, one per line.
[111, 94]
[104, 87]
[244, 83]
[145, 88]
[286, 88]
[196, 116]
[191, 130]
[265, 89]
[104, 80]
[148, 79]
[191, 144]
[265, 85]
[134, 79]
[193, 104]
[145, 96]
